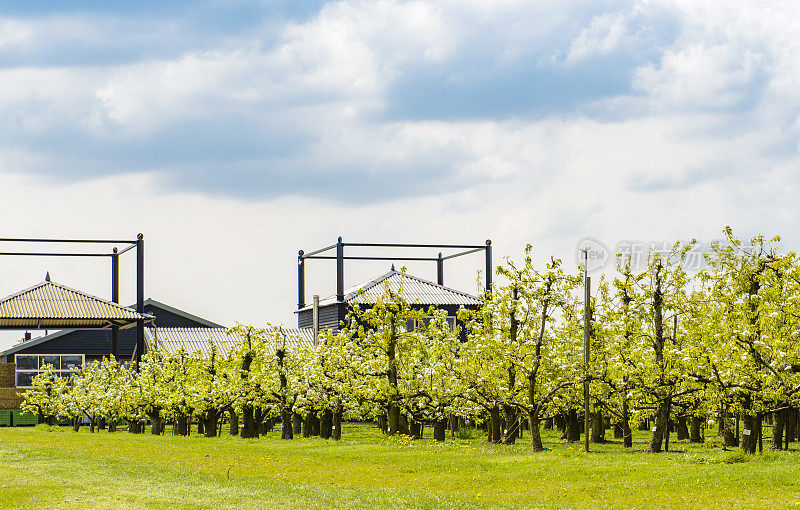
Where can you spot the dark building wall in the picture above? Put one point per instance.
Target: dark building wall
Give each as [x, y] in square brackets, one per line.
[96, 343]
[331, 316]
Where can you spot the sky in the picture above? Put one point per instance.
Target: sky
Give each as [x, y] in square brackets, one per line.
[233, 134]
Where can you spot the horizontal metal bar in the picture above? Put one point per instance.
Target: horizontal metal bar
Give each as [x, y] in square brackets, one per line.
[44, 254]
[403, 245]
[126, 249]
[307, 255]
[330, 257]
[463, 253]
[76, 241]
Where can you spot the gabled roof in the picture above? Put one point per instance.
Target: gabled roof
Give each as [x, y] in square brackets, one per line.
[50, 305]
[415, 290]
[147, 302]
[199, 340]
[178, 311]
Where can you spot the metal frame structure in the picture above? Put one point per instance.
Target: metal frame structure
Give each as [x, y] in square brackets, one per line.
[138, 244]
[340, 257]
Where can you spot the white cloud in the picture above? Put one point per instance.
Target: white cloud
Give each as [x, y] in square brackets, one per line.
[707, 135]
[603, 36]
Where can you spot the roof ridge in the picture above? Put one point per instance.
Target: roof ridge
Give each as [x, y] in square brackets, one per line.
[369, 284]
[64, 287]
[422, 280]
[86, 294]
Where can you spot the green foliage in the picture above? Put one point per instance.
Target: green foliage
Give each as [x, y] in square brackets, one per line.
[665, 344]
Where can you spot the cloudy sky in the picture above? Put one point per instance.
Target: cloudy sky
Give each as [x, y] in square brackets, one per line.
[234, 133]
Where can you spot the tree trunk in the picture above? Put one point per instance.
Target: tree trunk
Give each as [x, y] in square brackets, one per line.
[156, 422]
[598, 430]
[453, 425]
[790, 428]
[495, 435]
[336, 432]
[308, 424]
[533, 423]
[287, 431]
[326, 424]
[512, 428]
[76, 423]
[415, 429]
[572, 431]
[201, 427]
[561, 424]
[749, 433]
[248, 422]
[182, 425]
[440, 430]
[234, 425]
[728, 437]
[382, 423]
[258, 416]
[210, 422]
[778, 422]
[682, 429]
[548, 423]
[627, 435]
[694, 430]
[393, 414]
[297, 423]
[657, 440]
[750, 429]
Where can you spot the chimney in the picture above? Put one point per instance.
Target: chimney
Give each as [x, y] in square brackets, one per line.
[27, 336]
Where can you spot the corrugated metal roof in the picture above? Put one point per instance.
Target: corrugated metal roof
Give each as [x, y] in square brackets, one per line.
[50, 305]
[415, 290]
[199, 340]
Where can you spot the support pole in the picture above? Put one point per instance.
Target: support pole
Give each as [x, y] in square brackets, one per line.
[488, 251]
[587, 317]
[301, 280]
[440, 269]
[339, 271]
[115, 299]
[315, 318]
[139, 298]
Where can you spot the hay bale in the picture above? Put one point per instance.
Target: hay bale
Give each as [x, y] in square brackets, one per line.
[10, 398]
[8, 375]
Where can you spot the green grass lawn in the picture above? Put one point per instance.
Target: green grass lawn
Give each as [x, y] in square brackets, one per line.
[55, 467]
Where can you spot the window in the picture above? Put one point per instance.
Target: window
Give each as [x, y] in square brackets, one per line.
[30, 365]
[413, 324]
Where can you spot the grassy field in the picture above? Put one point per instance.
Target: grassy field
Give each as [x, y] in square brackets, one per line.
[57, 468]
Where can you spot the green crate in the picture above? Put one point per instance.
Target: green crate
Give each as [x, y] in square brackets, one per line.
[5, 418]
[20, 418]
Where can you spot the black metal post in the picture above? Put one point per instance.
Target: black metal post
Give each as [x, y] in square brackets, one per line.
[139, 298]
[339, 270]
[440, 269]
[587, 317]
[488, 266]
[301, 280]
[115, 299]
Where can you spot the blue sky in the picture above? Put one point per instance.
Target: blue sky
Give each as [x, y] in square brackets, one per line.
[426, 120]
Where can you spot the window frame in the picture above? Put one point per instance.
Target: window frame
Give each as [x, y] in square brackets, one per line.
[39, 363]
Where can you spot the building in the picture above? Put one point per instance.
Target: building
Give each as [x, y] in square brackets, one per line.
[422, 294]
[70, 349]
